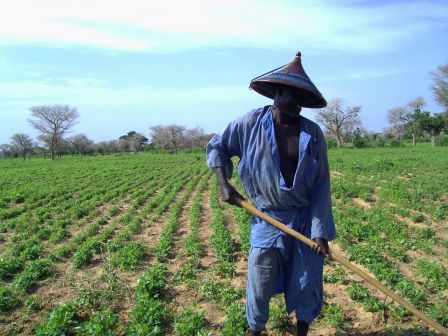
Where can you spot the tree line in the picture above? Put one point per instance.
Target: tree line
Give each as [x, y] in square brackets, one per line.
[54, 122]
[342, 124]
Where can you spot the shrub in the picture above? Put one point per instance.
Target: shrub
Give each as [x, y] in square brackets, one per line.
[235, 321]
[333, 315]
[379, 143]
[149, 316]
[101, 323]
[395, 143]
[279, 318]
[361, 143]
[9, 267]
[189, 322]
[36, 270]
[442, 140]
[59, 322]
[9, 298]
[152, 283]
[129, 255]
[331, 143]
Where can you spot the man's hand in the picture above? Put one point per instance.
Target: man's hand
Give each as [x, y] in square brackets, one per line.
[229, 194]
[321, 247]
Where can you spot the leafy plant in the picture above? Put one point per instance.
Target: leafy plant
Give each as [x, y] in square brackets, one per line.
[9, 298]
[189, 322]
[101, 323]
[235, 321]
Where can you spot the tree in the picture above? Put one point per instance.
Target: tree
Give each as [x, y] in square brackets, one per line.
[23, 144]
[398, 118]
[194, 136]
[171, 136]
[407, 118]
[339, 122]
[5, 150]
[133, 141]
[434, 125]
[81, 143]
[440, 87]
[53, 121]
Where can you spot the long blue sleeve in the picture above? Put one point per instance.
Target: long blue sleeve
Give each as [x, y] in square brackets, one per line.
[222, 147]
[322, 223]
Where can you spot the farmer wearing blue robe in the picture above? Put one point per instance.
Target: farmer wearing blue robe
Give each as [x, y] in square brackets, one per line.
[284, 169]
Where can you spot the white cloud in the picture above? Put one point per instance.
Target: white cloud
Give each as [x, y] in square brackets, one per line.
[96, 93]
[171, 25]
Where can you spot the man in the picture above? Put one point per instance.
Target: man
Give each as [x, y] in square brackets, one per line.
[284, 169]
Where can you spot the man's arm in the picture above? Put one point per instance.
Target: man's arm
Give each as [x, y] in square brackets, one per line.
[220, 150]
[322, 226]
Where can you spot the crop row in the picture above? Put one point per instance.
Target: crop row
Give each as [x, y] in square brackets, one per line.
[221, 239]
[150, 313]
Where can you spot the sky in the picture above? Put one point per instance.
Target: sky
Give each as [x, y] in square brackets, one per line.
[129, 65]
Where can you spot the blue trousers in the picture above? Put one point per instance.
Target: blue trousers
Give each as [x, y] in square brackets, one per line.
[296, 271]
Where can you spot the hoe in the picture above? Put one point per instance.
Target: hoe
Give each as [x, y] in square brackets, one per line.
[252, 209]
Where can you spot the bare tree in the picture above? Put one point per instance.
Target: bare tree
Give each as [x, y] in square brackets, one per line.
[23, 144]
[171, 136]
[80, 142]
[407, 117]
[398, 117]
[440, 87]
[338, 122]
[194, 136]
[53, 121]
[5, 150]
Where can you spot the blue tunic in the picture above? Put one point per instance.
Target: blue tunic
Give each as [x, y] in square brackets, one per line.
[305, 206]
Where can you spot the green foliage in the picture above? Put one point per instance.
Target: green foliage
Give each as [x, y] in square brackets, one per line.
[33, 302]
[235, 321]
[34, 271]
[331, 143]
[359, 293]
[436, 276]
[219, 292]
[9, 267]
[394, 143]
[338, 275]
[442, 140]
[152, 283]
[9, 298]
[279, 319]
[190, 322]
[61, 321]
[149, 316]
[332, 315]
[221, 238]
[129, 256]
[361, 143]
[101, 323]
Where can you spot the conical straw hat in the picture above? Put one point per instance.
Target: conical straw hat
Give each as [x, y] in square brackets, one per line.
[291, 74]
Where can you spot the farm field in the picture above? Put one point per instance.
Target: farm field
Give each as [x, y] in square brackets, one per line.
[142, 245]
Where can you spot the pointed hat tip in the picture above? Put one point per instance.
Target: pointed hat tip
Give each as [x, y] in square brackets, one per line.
[299, 54]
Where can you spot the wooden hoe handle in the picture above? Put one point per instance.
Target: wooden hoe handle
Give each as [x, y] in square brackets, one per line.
[249, 207]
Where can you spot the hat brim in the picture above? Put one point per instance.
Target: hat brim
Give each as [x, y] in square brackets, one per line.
[268, 88]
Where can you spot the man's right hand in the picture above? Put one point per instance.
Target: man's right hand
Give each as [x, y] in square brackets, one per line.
[229, 194]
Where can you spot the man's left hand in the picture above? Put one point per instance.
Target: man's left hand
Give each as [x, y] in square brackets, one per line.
[321, 247]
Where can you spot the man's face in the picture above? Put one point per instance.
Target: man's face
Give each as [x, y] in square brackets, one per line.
[289, 99]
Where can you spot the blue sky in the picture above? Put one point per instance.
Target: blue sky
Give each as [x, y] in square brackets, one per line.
[135, 64]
